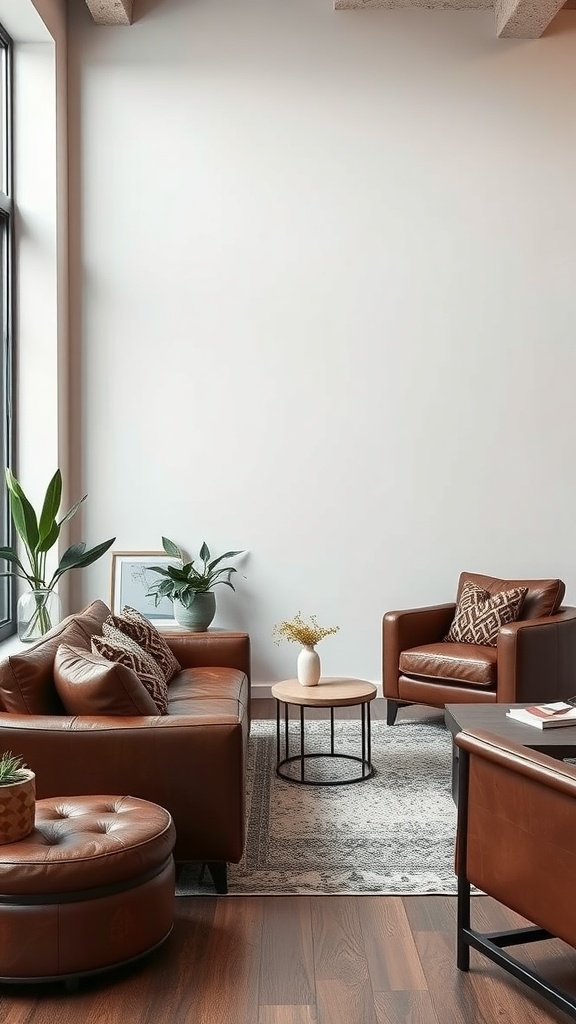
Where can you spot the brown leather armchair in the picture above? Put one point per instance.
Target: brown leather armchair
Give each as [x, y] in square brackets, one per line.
[516, 842]
[534, 658]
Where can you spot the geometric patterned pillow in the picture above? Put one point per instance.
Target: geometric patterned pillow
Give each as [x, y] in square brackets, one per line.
[115, 646]
[140, 629]
[479, 615]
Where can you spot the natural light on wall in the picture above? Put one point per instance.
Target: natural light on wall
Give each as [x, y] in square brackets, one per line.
[41, 316]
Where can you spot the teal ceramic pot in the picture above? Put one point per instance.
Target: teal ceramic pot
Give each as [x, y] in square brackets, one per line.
[199, 615]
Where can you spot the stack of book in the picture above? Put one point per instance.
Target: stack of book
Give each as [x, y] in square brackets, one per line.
[545, 716]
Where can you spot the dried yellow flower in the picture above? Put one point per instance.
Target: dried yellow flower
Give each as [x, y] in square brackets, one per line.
[306, 633]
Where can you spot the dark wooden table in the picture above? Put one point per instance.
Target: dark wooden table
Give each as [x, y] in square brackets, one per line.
[559, 742]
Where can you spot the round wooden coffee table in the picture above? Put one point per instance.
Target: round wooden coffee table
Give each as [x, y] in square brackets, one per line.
[330, 693]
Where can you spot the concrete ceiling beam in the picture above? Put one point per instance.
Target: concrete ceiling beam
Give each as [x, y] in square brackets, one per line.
[524, 19]
[111, 12]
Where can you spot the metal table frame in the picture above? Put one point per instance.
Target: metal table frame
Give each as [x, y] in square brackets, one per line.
[365, 760]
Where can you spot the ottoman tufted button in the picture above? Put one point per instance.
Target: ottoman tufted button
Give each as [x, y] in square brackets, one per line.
[77, 845]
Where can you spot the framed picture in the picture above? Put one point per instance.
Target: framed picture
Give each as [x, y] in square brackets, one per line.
[131, 580]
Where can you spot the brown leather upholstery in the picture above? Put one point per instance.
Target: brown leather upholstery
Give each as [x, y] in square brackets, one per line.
[191, 761]
[533, 659]
[517, 843]
[451, 663]
[88, 684]
[91, 887]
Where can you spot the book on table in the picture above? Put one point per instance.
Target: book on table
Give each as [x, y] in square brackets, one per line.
[545, 716]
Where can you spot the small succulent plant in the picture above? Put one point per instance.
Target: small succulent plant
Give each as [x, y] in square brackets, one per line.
[12, 769]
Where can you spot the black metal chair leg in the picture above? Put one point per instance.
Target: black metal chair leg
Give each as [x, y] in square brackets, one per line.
[391, 710]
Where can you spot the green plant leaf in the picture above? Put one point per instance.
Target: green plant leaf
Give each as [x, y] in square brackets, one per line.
[44, 544]
[10, 556]
[77, 557]
[227, 554]
[171, 548]
[72, 511]
[48, 529]
[22, 513]
[205, 552]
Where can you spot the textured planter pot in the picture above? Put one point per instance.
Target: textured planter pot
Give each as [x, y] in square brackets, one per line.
[308, 667]
[199, 615]
[17, 808]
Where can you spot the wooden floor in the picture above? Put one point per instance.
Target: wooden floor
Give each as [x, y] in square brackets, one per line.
[308, 960]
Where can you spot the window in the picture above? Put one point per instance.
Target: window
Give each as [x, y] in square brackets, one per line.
[7, 589]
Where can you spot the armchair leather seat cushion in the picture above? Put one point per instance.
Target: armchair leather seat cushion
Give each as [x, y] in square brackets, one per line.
[473, 664]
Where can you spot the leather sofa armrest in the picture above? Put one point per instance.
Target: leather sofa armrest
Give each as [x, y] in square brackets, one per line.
[533, 650]
[192, 765]
[410, 628]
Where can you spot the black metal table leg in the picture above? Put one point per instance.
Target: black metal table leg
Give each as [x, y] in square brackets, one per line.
[286, 738]
[277, 731]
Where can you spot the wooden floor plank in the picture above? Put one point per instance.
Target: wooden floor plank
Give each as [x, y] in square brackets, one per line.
[343, 988]
[230, 983]
[405, 1008]
[287, 959]
[392, 957]
[287, 1015]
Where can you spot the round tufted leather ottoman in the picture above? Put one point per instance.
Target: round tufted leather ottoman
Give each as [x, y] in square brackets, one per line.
[90, 888]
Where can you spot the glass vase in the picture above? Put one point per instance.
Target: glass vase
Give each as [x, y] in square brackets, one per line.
[37, 612]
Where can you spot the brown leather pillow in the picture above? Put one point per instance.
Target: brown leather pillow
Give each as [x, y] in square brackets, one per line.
[140, 629]
[88, 684]
[27, 684]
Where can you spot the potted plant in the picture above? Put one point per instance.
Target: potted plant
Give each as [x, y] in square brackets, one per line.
[308, 634]
[39, 608]
[190, 586]
[17, 798]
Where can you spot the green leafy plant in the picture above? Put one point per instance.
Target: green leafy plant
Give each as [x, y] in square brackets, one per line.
[38, 535]
[183, 581]
[12, 769]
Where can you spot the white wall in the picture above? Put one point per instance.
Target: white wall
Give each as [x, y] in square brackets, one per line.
[327, 280]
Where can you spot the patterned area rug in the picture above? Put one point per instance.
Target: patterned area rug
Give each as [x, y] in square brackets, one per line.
[390, 834]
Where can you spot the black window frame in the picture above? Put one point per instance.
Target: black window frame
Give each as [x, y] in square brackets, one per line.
[7, 359]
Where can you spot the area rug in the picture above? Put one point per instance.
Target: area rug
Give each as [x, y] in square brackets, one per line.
[392, 834]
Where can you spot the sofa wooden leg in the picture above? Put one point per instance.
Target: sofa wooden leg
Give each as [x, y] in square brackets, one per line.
[219, 873]
[391, 710]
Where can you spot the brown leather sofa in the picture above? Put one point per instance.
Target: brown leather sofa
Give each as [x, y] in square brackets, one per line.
[534, 659]
[191, 761]
[516, 842]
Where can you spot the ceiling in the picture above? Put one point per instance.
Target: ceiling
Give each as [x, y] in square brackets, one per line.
[514, 19]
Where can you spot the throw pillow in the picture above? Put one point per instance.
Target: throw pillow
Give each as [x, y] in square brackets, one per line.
[88, 684]
[115, 646]
[479, 615]
[140, 629]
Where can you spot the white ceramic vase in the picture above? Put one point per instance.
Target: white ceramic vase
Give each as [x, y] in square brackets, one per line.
[308, 667]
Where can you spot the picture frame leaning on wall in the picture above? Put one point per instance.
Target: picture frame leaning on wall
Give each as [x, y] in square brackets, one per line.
[131, 579]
